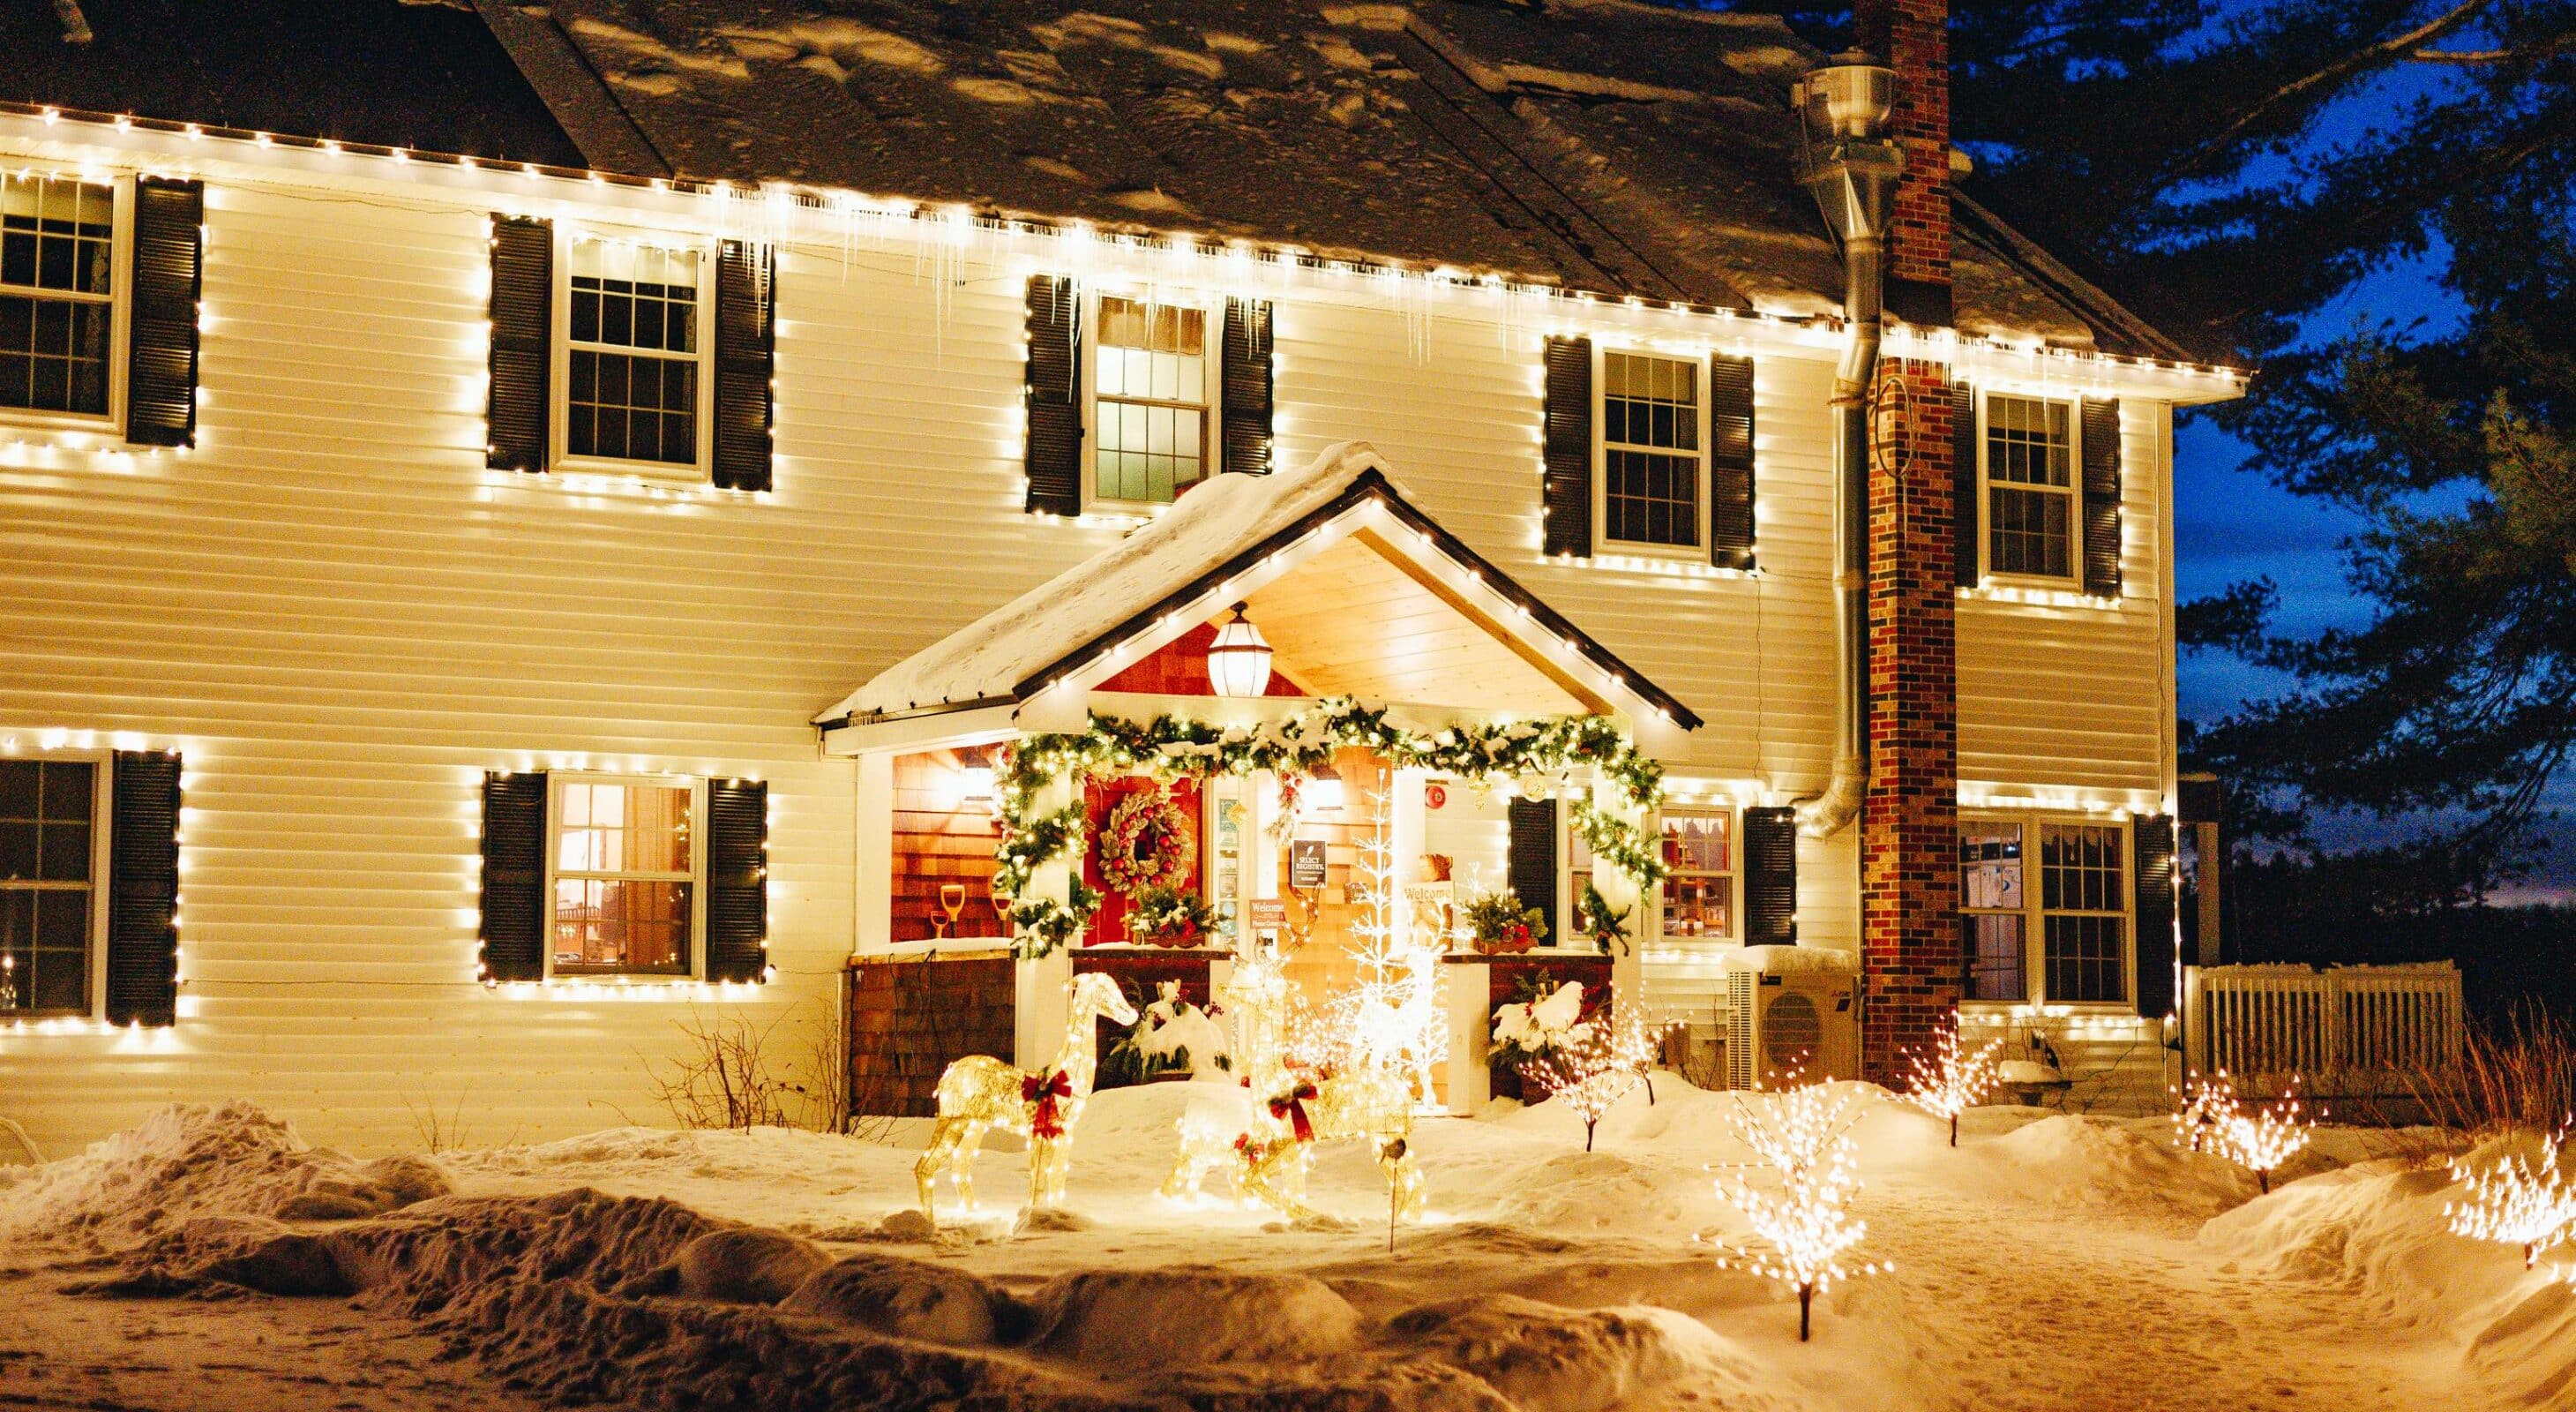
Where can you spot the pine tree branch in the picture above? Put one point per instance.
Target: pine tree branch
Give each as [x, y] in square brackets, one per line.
[2387, 51]
[2538, 49]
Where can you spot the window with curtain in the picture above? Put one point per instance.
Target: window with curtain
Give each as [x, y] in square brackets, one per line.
[1698, 898]
[57, 293]
[626, 874]
[2064, 942]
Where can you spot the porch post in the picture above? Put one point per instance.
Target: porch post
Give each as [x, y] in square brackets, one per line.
[1038, 1000]
[1620, 892]
[875, 849]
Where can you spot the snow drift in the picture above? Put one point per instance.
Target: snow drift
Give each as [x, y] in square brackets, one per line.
[194, 1160]
[2382, 1230]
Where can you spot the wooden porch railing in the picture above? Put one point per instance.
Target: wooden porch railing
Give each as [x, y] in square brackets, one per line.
[2352, 1030]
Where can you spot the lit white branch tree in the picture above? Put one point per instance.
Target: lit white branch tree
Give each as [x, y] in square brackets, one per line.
[2520, 1199]
[1803, 1135]
[2256, 1136]
[1951, 1080]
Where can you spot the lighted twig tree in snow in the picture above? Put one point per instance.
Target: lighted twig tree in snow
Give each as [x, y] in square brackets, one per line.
[1803, 1136]
[2256, 1136]
[1390, 1018]
[2519, 1200]
[1951, 1080]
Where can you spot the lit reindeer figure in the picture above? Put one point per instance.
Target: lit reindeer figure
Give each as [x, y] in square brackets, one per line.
[979, 1093]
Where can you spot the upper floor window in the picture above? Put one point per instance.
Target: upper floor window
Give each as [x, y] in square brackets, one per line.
[634, 353]
[57, 294]
[2030, 487]
[626, 875]
[1654, 461]
[1698, 902]
[1151, 404]
[49, 914]
[2064, 942]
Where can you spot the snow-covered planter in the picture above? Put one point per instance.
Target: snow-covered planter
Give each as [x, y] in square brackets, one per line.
[1527, 1035]
[1171, 1039]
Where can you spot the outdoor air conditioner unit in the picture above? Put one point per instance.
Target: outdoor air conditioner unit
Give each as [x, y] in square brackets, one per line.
[1803, 1015]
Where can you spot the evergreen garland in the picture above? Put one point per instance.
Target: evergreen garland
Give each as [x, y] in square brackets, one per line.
[1168, 748]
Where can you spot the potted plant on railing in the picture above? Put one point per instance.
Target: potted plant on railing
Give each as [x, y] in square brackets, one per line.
[1498, 923]
[1167, 916]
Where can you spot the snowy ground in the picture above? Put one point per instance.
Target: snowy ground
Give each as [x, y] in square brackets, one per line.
[2049, 1262]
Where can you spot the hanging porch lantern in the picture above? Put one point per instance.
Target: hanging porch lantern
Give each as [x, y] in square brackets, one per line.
[1324, 791]
[1239, 659]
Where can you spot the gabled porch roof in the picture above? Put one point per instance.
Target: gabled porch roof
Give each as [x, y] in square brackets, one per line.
[1414, 605]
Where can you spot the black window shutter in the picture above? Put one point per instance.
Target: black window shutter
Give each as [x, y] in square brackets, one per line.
[169, 275]
[1054, 397]
[1246, 385]
[2101, 498]
[745, 342]
[1566, 495]
[523, 329]
[737, 880]
[1533, 857]
[1730, 461]
[2152, 842]
[1967, 502]
[514, 877]
[1771, 877]
[143, 889]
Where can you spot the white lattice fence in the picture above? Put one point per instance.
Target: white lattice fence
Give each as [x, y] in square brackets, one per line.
[2349, 1030]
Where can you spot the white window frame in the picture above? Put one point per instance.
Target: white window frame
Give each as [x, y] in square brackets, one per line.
[1696, 552]
[559, 397]
[2035, 912]
[120, 320]
[697, 878]
[94, 978]
[1734, 816]
[1212, 372]
[2073, 578]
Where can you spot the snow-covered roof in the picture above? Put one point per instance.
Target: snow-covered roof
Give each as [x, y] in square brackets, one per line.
[1610, 146]
[1207, 546]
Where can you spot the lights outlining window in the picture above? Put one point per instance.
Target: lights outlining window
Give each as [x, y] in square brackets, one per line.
[1698, 899]
[634, 347]
[57, 294]
[625, 877]
[49, 829]
[2079, 915]
[1654, 461]
[1150, 408]
[2030, 487]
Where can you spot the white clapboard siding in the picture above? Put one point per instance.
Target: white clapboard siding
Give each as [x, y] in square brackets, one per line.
[344, 620]
[2078, 696]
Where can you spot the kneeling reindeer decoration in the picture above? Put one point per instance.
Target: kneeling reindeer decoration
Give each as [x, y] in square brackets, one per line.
[979, 1093]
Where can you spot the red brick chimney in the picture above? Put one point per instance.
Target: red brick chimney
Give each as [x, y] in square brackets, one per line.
[1911, 959]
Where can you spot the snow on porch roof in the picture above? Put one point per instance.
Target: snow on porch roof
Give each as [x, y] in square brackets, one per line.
[1214, 533]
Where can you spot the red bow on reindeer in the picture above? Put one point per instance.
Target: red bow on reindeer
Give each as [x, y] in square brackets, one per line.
[1292, 1106]
[1044, 1090]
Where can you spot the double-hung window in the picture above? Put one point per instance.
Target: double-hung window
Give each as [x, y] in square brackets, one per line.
[1653, 485]
[627, 874]
[2030, 461]
[635, 346]
[58, 295]
[1153, 400]
[1698, 899]
[2063, 942]
[50, 849]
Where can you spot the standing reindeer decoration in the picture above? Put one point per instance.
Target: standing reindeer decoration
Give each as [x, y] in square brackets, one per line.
[979, 1093]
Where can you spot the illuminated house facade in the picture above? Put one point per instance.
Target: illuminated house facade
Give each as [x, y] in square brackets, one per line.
[469, 616]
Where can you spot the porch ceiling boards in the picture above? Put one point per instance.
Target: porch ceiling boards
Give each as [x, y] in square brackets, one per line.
[1351, 622]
